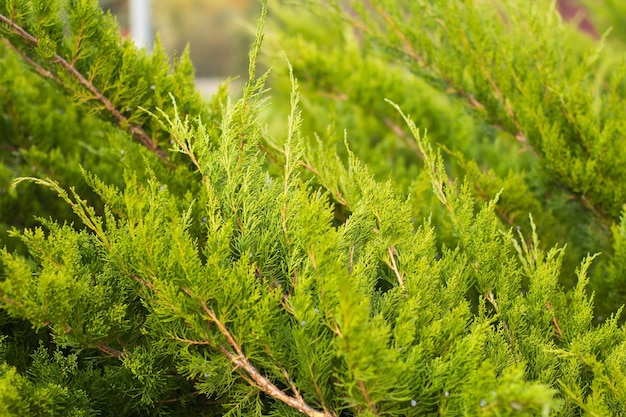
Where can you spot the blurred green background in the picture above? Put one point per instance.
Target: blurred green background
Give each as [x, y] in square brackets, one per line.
[220, 32]
[217, 30]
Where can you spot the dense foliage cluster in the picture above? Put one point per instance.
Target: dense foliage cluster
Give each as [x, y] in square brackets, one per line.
[367, 243]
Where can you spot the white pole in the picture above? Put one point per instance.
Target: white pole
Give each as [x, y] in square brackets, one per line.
[141, 23]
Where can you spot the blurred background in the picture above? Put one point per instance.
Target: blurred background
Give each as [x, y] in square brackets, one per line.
[220, 31]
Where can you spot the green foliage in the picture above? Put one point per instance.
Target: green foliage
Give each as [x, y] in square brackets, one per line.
[520, 102]
[195, 261]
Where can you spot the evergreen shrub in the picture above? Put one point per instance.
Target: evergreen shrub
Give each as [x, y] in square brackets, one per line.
[368, 243]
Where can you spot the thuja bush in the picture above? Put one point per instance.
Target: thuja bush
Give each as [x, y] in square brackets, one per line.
[170, 256]
[519, 102]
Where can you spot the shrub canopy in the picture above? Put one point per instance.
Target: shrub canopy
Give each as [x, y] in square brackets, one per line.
[367, 243]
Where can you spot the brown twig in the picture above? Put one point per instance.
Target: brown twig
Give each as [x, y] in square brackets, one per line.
[241, 361]
[370, 404]
[405, 41]
[319, 395]
[11, 301]
[351, 266]
[104, 348]
[404, 136]
[145, 283]
[392, 251]
[559, 333]
[310, 168]
[41, 70]
[137, 132]
[184, 397]
[492, 300]
[519, 135]
[294, 389]
[192, 342]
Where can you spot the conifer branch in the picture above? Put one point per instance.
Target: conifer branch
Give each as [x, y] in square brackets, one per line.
[503, 214]
[492, 300]
[192, 342]
[519, 135]
[409, 48]
[339, 198]
[452, 87]
[574, 397]
[559, 333]
[263, 383]
[41, 70]
[11, 301]
[392, 252]
[402, 134]
[104, 348]
[137, 131]
[310, 168]
[351, 265]
[321, 397]
[184, 398]
[145, 283]
[18, 30]
[368, 400]
[334, 191]
[185, 147]
[410, 51]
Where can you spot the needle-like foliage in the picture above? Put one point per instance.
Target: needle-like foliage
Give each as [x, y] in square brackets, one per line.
[190, 259]
[518, 101]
